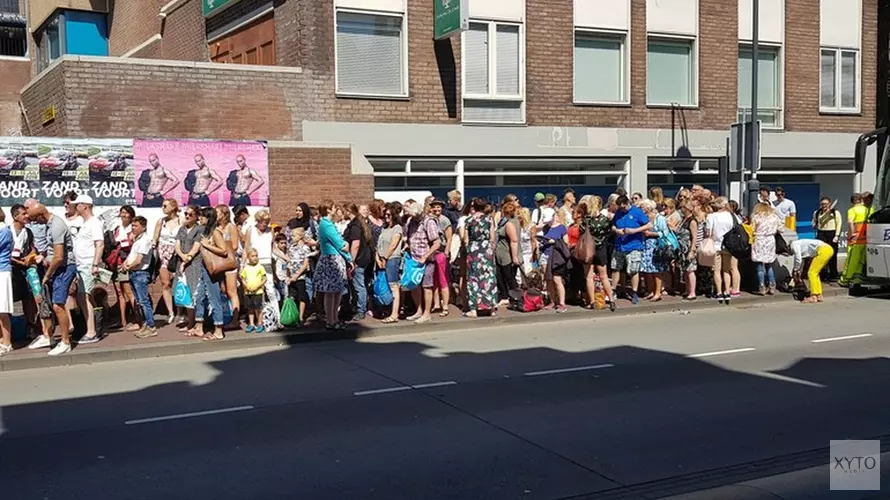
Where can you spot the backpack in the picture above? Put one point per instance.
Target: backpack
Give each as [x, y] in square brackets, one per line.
[144, 180]
[231, 181]
[737, 241]
[191, 178]
[530, 300]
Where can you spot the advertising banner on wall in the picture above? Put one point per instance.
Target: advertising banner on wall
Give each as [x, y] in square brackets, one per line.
[203, 173]
[47, 168]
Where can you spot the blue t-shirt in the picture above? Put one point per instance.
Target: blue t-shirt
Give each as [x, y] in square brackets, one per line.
[631, 219]
[6, 244]
[555, 234]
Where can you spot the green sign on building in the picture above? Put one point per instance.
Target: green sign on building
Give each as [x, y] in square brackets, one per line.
[211, 7]
[450, 17]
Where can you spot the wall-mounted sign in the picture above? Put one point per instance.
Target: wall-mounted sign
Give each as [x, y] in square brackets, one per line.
[450, 17]
[48, 115]
[211, 7]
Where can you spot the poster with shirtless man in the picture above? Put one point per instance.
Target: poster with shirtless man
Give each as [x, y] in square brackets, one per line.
[202, 173]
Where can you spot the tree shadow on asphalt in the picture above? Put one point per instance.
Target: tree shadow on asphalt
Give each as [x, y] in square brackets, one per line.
[402, 419]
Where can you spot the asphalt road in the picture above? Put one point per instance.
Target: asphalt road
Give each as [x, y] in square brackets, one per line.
[630, 407]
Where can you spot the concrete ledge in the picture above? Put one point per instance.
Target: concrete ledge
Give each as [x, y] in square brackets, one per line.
[239, 341]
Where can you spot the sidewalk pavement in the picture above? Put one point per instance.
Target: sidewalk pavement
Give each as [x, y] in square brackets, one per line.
[120, 345]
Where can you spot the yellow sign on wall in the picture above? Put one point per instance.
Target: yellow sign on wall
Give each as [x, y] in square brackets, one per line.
[48, 115]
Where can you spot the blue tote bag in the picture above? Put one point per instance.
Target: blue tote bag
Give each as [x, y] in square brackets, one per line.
[412, 274]
[382, 292]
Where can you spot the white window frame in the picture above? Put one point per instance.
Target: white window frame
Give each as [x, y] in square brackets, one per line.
[405, 79]
[667, 38]
[492, 94]
[623, 38]
[780, 83]
[838, 109]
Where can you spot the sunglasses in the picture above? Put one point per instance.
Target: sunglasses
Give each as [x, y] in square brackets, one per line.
[190, 214]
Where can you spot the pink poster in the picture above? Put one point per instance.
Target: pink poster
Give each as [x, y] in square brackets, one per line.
[202, 173]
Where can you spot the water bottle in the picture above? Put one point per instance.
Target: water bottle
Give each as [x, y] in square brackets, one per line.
[34, 281]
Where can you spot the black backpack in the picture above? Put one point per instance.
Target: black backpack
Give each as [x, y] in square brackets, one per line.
[736, 241]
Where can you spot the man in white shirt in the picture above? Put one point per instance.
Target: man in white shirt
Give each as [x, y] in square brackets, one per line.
[89, 244]
[786, 209]
[543, 215]
[138, 264]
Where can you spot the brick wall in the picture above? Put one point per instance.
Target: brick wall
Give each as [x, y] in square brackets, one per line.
[48, 90]
[311, 175]
[131, 23]
[151, 98]
[16, 74]
[183, 32]
[802, 41]
[549, 72]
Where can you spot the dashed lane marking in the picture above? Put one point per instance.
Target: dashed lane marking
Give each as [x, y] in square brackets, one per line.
[568, 370]
[721, 353]
[847, 337]
[188, 415]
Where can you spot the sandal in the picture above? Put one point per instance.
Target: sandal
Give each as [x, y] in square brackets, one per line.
[193, 332]
[210, 337]
[390, 320]
[809, 300]
[444, 314]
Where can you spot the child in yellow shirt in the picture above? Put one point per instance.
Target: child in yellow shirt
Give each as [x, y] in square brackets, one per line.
[253, 278]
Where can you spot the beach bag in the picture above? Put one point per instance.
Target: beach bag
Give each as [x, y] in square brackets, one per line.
[382, 292]
[182, 294]
[290, 313]
[707, 254]
[412, 274]
[737, 242]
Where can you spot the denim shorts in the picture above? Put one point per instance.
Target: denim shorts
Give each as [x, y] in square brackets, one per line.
[392, 269]
[62, 283]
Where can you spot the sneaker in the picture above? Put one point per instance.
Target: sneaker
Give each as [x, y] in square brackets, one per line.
[250, 329]
[89, 340]
[5, 349]
[721, 297]
[635, 299]
[40, 342]
[562, 309]
[358, 318]
[726, 298]
[148, 331]
[771, 290]
[735, 294]
[59, 349]
[761, 290]
[260, 329]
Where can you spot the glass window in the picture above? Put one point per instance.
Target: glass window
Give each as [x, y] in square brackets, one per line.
[492, 73]
[670, 72]
[769, 87]
[599, 68]
[370, 58]
[839, 80]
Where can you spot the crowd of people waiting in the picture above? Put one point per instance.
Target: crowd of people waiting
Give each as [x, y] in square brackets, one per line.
[215, 266]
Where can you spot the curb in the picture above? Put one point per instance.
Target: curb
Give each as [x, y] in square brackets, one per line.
[296, 337]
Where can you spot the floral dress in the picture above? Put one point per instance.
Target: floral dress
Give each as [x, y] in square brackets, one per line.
[684, 237]
[481, 278]
[651, 265]
[765, 229]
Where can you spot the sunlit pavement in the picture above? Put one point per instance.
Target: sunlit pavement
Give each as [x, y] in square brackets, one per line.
[636, 406]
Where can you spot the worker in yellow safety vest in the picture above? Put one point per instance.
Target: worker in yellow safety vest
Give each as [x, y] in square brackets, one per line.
[857, 216]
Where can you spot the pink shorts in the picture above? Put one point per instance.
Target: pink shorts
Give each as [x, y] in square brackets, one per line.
[440, 277]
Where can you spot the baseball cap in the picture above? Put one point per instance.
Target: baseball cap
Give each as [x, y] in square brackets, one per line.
[437, 202]
[82, 199]
[539, 196]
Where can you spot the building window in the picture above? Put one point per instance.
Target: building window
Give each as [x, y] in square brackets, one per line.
[769, 85]
[600, 68]
[671, 72]
[839, 81]
[73, 32]
[371, 55]
[13, 29]
[493, 73]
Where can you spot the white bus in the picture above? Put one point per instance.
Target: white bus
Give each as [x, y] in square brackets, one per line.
[876, 271]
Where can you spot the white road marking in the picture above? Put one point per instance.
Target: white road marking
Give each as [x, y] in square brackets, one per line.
[188, 415]
[568, 370]
[382, 391]
[721, 353]
[848, 337]
[434, 384]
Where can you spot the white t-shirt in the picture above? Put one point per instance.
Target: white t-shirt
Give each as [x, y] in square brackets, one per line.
[74, 225]
[719, 224]
[142, 247]
[85, 241]
[543, 216]
[785, 208]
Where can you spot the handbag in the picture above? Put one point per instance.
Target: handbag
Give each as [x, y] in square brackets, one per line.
[412, 274]
[585, 250]
[707, 254]
[382, 293]
[182, 293]
[174, 263]
[217, 264]
[782, 247]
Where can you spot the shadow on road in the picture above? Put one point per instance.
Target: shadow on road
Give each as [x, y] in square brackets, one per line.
[504, 424]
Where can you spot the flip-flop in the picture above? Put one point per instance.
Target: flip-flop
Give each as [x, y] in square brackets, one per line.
[209, 337]
[390, 321]
[443, 314]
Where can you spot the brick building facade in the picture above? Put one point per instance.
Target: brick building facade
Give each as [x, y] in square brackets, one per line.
[554, 93]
